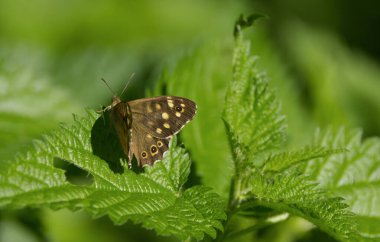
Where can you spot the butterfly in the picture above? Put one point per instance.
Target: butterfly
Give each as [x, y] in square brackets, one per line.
[145, 126]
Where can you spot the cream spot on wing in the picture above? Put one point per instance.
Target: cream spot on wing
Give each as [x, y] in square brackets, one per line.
[183, 105]
[149, 136]
[149, 109]
[158, 106]
[166, 125]
[150, 123]
[178, 114]
[159, 131]
[170, 103]
[165, 115]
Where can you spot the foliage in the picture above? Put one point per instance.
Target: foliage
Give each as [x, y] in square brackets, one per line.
[20, 110]
[353, 175]
[256, 126]
[154, 198]
[344, 82]
[206, 191]
[198, 76]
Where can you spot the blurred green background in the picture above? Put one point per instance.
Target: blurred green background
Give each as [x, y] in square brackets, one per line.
[322, 58]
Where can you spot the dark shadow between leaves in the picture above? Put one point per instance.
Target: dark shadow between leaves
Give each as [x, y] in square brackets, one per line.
[193, 179]
[259, 212]
[74, 174]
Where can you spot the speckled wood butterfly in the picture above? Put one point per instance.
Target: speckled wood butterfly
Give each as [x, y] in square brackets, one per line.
[145, 126]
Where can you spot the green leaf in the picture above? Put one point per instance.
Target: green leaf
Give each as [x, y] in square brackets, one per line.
[10, 230]
[197, 75]
[353, 175]
[256, 126]
[244, 22]
[295, 194]
[196, 212]
[343, 83]
[288, 90]
[251, 110]
[29, 105]
[173, 170]
[283, 161]
[155, 202]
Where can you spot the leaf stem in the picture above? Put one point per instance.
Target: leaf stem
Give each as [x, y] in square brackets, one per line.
[257, 226]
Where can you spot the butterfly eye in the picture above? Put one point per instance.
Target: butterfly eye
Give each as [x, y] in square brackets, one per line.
[143, 154]
[178, 109]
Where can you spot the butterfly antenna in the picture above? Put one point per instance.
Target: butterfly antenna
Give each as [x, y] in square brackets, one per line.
[114, 93]
[126, 85]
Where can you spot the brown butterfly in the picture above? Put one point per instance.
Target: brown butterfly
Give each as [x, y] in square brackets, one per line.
[145, 126]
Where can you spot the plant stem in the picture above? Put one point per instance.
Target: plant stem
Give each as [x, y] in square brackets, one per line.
[250, 229]
[233, 203]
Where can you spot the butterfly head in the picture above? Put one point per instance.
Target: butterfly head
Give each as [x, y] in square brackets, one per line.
[115, 101]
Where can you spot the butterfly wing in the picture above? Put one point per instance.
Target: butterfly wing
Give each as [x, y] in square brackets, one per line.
[145, 126]
[162, 116]
[145, 147]
[120, 116]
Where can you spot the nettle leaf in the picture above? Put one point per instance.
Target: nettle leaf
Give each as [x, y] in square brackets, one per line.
[24, 110]
[251, 110]
[196, 212]
[256, 126]
[154, 201]
[331, 69]
[198, 75]
[173, 171]
[353, 175]
[297, 195]
[279, 162]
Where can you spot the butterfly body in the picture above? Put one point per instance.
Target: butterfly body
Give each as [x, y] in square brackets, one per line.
[145, 126]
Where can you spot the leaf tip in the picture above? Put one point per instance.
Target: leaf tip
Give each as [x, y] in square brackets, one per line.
[244, 22]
